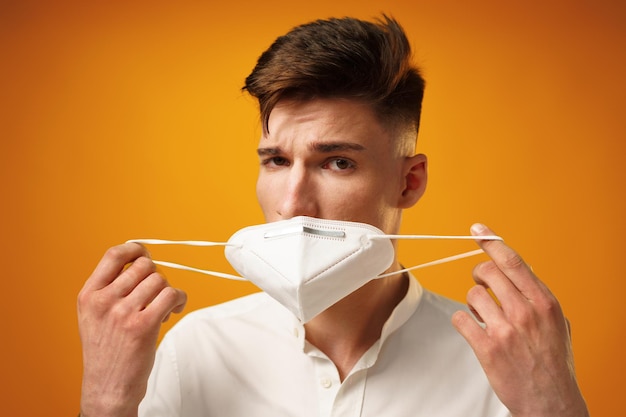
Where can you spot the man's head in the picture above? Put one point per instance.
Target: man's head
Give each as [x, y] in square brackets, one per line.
[340, 105]
[343, 58]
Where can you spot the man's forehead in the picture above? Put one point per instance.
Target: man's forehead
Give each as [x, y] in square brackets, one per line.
[331, 110]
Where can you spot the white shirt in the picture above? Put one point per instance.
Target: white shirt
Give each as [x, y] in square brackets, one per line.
[249, 358]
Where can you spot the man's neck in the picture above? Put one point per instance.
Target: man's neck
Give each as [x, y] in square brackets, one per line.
[345, 331]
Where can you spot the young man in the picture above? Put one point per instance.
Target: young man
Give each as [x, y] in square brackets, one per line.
[340, 106]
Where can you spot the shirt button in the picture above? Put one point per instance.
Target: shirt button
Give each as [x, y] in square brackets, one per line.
[296, 333]
[326, 383]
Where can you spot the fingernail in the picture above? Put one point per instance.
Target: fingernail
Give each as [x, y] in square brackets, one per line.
[478, 228]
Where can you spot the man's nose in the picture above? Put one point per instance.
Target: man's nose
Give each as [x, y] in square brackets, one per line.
[299, 198]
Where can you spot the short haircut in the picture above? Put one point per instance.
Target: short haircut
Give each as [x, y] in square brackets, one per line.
[342, 58]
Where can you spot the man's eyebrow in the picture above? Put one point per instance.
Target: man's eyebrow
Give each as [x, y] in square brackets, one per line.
[329, 147]
[268, 151]
[321, 147]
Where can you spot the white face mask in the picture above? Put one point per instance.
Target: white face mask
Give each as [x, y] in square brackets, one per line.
[308, 264]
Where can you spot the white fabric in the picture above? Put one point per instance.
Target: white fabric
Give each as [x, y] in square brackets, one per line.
[249, 357]
[308, 264]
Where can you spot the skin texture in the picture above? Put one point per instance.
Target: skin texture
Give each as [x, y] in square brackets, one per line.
[525, 345]
[333, 159]
[120, 311]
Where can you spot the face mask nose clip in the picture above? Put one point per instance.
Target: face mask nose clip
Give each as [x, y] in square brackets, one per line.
[304, 229]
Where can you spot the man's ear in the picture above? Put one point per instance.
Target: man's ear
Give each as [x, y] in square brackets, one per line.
[415, 177]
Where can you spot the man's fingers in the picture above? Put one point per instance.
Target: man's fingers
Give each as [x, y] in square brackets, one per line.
[168, 300]
[155, 297]
[468, 328]
[132, 276]
[484, 307]
[112, 264]
[126, 281]
[488, 274]
[147, 291]
[511, 265]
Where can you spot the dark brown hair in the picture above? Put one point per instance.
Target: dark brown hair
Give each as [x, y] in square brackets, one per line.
[342, 58]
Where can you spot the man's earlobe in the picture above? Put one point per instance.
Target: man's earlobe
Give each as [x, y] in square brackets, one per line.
[415, 179]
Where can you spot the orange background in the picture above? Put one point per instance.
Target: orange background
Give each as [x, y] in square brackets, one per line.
[125, 120]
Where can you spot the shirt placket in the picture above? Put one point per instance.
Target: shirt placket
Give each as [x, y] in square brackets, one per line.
[349, 398]
[336, 398]
[328, 383]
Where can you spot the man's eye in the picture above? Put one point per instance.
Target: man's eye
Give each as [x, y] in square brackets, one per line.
[276, 161]
[339, 164]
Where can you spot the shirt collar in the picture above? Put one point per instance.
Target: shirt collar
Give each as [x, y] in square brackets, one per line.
[405, 308]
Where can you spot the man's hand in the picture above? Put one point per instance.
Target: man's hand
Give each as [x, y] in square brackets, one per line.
[524, 346]
[120, 311]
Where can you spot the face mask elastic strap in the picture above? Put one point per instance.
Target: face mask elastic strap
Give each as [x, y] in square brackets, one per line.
[187, 243]
[437, 262]
[486, 237]
[178, 242]
[202, 271]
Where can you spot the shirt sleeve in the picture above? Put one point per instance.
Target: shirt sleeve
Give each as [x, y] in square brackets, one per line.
[163, 398]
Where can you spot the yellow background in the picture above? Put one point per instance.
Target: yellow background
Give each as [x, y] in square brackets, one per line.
[125, 120]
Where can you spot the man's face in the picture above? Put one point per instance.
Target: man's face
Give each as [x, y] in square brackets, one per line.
[331, 159]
